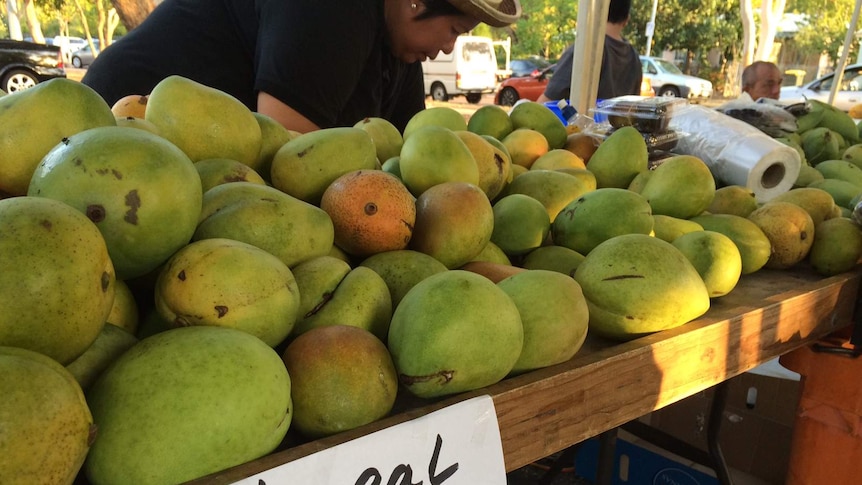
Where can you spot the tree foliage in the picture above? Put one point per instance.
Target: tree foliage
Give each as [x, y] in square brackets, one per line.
[826, 26]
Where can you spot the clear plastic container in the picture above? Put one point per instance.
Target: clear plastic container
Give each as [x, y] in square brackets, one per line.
[647, 114]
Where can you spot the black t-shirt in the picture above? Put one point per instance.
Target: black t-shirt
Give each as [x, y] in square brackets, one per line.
[327, 59]
[620, 74]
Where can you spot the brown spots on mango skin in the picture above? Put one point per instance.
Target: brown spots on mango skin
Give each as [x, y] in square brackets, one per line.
[106, 281]
[96, 213]
[444, 376]
[182, 275]
[46, 224]
[221, 310]
[133, 202]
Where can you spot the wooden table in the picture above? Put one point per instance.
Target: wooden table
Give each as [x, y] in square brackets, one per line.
[608, 383]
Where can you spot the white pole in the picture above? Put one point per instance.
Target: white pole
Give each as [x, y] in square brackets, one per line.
[589, 47]
[848, 39]
[650, 28]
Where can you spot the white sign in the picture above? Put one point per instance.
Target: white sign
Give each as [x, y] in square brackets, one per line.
[457, 445]
[650, 29]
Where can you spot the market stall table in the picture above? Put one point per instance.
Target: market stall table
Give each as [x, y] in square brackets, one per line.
[609, 383]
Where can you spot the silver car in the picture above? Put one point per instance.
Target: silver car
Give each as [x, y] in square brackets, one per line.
[848, 95]
[668, 80]
[84, 56]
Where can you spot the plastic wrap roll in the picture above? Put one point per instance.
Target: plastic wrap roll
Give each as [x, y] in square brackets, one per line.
[736, 152]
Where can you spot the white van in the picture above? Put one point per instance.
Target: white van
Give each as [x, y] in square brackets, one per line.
[471, 70]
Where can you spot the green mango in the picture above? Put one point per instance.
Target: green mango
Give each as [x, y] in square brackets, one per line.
[143, 193]
[273, 136]
[434, 155]
[600, 215]
[228, 283]
[820, 144]
[842, 191]
[492, 253]
[493, 165]
[553, 258]
[287, 227]
[837, 246]
[47, 425]
[807, 176]
[682, 186]
[217, 171]
[306, 165]
[57, 284]
[35, 120]
[439, 116]
[754, 247]
[491, 120]
[636, 284]
[386, 137]
[837, 121]
[165, 406]
[555, 190]
[204, 122]
[619, 158]
[454, 332]
[841, 170]
[733, 199]
[537, 116]
[853, 154]
[715, 257]
[668, 228]
[817, 202]
[521, 224]
[402, 269]
[111, 342]
[553, 313]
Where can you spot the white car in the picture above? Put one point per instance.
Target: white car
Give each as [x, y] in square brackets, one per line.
[668, 80]
[819, 89]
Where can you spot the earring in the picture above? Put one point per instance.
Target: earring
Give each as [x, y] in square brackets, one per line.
[413, 5]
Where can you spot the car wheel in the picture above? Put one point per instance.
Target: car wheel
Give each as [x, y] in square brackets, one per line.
[508, 97]
[474, 98]
[438, 93]
[76, 61]
[18, 80]
[669, 92]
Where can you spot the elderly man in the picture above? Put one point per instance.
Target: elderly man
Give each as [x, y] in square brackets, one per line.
[762, 80]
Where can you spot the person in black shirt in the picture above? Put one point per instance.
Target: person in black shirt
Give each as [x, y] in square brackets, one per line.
[621, 71]
[308, 64]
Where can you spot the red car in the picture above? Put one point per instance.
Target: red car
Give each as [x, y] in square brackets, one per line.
[532, 86]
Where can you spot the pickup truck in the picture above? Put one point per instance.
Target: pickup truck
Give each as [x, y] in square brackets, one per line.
[25, 64]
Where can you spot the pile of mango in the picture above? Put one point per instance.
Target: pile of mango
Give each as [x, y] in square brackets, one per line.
[189, 286]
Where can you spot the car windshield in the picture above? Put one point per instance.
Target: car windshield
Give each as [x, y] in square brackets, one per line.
[851, 81]
[668, 66]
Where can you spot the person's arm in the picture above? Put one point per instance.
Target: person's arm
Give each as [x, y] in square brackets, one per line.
[284, 114]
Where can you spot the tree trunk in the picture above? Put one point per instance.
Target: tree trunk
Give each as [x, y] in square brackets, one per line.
[771, 12]
[133, 12]
[33, 22]
[14, 20]
[746, 13]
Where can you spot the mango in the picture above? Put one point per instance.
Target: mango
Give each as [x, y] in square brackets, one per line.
[790, 231]
[289, 228]
[553, 258]
[619, 158]
[492, 254]
[228, 283]
[139, 124]
[204, 122]
[124, 311]
[304, 166]
[842, 191]
[491, 120]
[600, 215]
[496, 272]
[341, 377]
[521, 224]
[47, 425]
[836, 120]
[492, 163]
[582, 144]
[715, 257]
[807, 176]
[111, 342]
[57, 283]
[817, 202]
[753, 244]
[402, 269]
[165, 406]
[820, 144]
[554, 315]
[556, 159]
[555, 190]
[733, 199]
[273, 136]
[537, 116]
[386, 137]
[635, 285]
[140, 190]
[37, 119]
[359, 298]
[584, 175]
[837, 246]
[682, 186]
[525, 146]
[853, 154]
[454, 222]
[217, 171]
[435, 155]
[439, 116]
[668, 228]
[454, 332]
[841, 170]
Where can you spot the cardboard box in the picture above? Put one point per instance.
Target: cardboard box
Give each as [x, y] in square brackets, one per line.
[757, 428]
